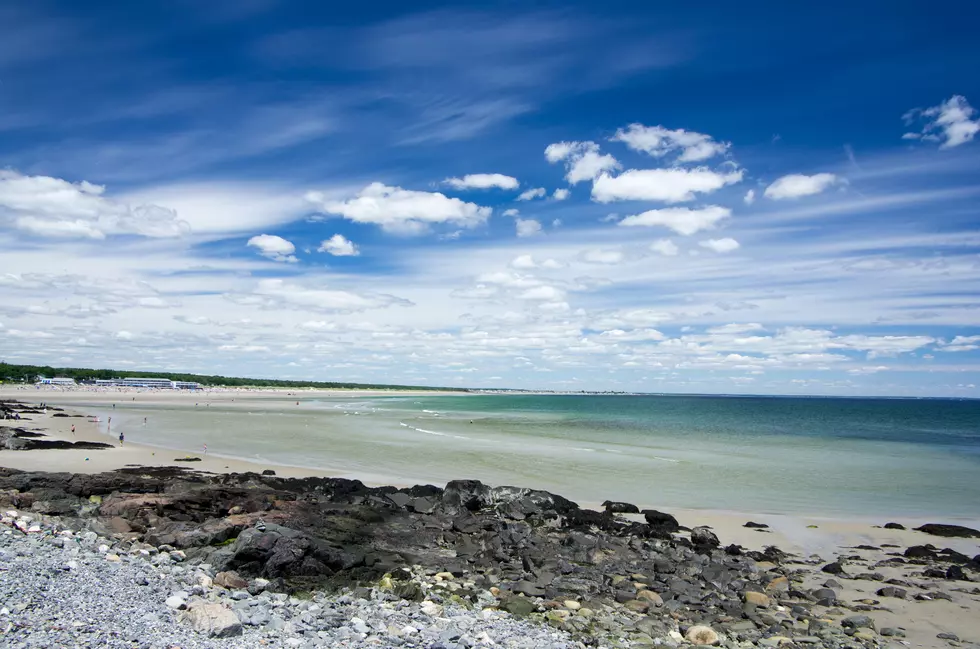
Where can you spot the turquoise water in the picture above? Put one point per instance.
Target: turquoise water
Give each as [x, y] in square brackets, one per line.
[863, 457]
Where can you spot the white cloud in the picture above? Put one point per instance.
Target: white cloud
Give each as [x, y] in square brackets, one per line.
[664, 247]
[531, 194]
[561, 194]
[961, 344]
[720, 245]
[603, 256]
[527, 262]
[273, 247]
[682, 220]
[277, 294]
[339, 246]
[483, 181]
[542, 293]
[528, 227]
[948, 123]
[52, 207]
[672, 185]
[402, 211]
[634, 335]
[749, 197]
[659, 141]
[224, 208]
[797, 185]
[582, 160]
[511, 212]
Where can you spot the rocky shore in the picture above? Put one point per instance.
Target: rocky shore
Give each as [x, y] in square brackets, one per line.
[163, 557]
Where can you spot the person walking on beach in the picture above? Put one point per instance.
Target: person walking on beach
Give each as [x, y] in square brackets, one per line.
[121, 438]
[73, 429]
[205, 449]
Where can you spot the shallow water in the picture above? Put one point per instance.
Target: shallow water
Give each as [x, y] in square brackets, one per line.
[862, 457]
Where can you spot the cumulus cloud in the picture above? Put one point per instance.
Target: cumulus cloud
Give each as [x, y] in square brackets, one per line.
[674, 185]
[527, 262]
[682, 220]
[948, 123]
[52, 207]
[582, 160]
[633, 335]
[720, 245]
[561, 194]
[402, 211]
[658, 141]
[531, 194]
[543, 293]
[339, 246]
[599, 256]
[511, 212]
[528, 227]
[273, 247]
[664, 247]
[483, 181]
[749, 197]
[798, 185]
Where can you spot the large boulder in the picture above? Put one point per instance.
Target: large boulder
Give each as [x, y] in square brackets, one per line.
[465, 495]
[703, 538]
[213, 620]
[613, 507]
[949, 531]
[661, 524]
[273, 551]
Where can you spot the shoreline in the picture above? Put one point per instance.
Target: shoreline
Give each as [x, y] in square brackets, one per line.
[800, 532]
[857, 544]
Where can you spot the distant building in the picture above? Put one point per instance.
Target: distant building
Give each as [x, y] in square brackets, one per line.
[139, 382]
[58, 380]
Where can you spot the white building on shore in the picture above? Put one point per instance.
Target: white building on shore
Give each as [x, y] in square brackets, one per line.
[58, 380]
[141, 382]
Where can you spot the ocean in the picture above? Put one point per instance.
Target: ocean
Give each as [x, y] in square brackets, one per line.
[780, 455]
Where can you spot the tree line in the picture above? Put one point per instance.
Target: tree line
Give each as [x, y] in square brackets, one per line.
[29, 374]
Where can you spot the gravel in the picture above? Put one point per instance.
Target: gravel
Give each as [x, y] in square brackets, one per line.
[60, 588]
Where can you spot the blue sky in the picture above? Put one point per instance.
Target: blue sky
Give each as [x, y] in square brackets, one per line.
[772, 199]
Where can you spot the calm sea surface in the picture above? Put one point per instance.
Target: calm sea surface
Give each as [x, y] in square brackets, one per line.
[864, 457]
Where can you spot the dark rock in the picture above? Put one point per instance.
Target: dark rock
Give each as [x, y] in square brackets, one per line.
[703, 538]
[758, 526]
[857, 622]
[920, 552]
[948, 636]
[892, 591]
[409, 590]
[620, 508]
[518, 606]
[955, 572]
[952, 531]
[528, 588]
[268, 472]
[894, 526]
[466, 495]
[824, 595]
[892, 632]
[661, 524]
[834, 568]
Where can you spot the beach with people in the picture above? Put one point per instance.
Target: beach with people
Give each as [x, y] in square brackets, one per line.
[911, 585]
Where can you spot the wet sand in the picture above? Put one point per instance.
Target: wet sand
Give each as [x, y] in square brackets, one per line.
[817, 540]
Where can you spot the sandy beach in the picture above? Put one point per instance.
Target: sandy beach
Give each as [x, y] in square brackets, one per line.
[817, 540]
